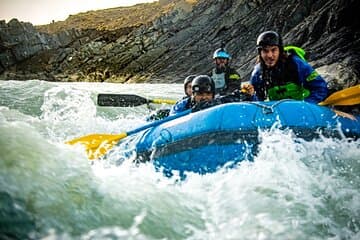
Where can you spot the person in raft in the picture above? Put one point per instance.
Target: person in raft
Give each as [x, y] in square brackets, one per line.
[203, 90]
[187, 86]
[279, 74]
[164, 112]
[226, 78]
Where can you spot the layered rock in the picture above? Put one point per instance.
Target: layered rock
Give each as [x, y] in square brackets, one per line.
[23, 50]
[181, 40]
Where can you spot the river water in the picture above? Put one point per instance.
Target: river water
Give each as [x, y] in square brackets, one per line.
[49, 190]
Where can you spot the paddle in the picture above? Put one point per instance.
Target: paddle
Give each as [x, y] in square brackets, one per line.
[127, 100]
[346, 97]
[98, 144]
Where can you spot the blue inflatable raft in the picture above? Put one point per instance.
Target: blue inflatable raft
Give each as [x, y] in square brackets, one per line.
[224, 135]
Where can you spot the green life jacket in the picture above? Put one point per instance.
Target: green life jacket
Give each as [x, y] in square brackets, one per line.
[290, 90]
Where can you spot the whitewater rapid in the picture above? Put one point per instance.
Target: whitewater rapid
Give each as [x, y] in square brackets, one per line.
[294, 189]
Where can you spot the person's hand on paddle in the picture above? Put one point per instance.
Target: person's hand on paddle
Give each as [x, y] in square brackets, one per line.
[238, 96]
[248, 89]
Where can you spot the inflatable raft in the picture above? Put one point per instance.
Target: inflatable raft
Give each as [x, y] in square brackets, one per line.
[224, 135]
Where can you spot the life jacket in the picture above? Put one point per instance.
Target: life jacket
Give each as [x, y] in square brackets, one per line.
[219, 80]
[286, 84]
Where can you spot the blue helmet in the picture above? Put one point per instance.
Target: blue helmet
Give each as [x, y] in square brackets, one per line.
[221, 53]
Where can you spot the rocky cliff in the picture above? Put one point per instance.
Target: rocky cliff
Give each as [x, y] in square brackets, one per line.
[179, 38]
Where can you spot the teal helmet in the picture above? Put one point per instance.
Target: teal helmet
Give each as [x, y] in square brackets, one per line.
[221, 53]
[202, 84]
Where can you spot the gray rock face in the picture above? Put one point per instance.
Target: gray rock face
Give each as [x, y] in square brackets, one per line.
[181, 42]
[19, 41]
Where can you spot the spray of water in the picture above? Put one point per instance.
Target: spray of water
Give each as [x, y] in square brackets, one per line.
[294, 189]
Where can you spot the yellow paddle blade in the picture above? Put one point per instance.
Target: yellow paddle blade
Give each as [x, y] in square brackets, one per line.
[159, 101]
[96, 145]
[345, 97]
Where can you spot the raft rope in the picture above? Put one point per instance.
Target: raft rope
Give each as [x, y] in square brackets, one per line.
[269, 109]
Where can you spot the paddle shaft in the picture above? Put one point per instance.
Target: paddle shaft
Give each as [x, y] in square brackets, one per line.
[127, 100]
[158, 122]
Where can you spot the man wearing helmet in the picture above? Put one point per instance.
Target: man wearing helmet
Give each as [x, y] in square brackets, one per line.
[203, 90]
[164, 112]
[278, 75]
[226, 79]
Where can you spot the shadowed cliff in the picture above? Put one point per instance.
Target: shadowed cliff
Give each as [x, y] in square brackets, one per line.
[178, 39]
